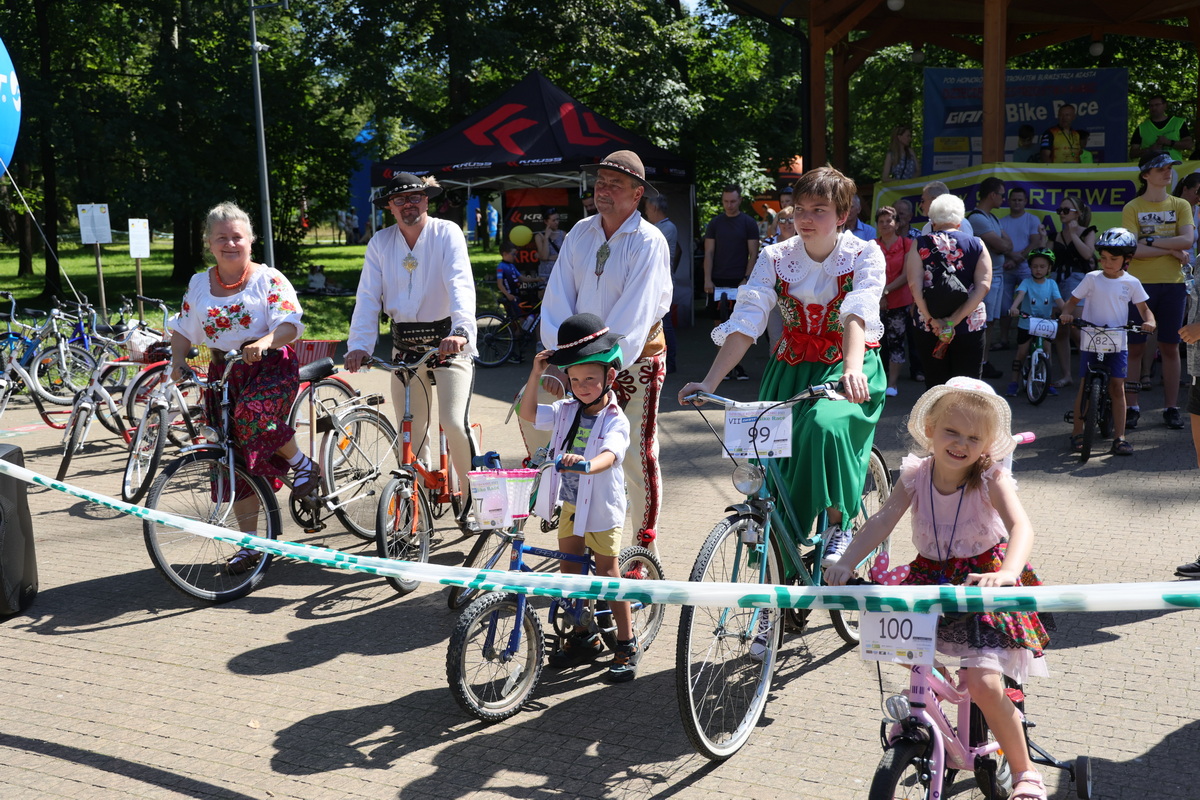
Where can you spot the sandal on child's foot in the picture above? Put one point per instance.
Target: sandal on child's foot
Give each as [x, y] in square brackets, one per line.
[243, 561]
[1122, 447]
[1076, 442]
[1028, 785]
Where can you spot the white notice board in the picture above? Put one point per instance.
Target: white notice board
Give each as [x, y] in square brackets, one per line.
[139, 238]
[93, 223]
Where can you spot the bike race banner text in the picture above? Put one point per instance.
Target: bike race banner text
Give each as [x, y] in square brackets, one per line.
[953, 136]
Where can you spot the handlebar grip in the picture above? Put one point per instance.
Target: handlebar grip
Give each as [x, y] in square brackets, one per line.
[1025, 437]
[582, 466]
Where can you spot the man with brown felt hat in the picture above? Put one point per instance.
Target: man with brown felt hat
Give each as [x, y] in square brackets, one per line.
[617, 265]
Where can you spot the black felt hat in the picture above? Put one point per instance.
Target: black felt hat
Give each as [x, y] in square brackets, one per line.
[404, 183]
[583, 338]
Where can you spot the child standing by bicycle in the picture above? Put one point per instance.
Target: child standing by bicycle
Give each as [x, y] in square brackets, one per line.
[590, 433]
[969, 528]
[1037, 297]
[1109, 291]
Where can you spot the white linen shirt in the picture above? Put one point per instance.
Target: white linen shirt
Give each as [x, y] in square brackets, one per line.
[600, 503]
[810, 282]
[632, 294]
[440, 286]
[266, 301]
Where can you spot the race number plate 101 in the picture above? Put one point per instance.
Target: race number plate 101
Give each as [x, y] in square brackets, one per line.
[752, 431]
[901, 638]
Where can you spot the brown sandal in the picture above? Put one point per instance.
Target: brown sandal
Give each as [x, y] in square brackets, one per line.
[306, 478]
[243, 561]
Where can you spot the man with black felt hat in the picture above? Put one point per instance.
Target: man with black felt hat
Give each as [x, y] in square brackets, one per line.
[589, 433]
[418, 273]
[617, 265]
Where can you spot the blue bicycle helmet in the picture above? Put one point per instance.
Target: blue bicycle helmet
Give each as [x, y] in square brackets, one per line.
[1117, 240]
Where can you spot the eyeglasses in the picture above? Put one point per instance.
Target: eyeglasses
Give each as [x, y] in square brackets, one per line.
[1062, 211]
[406, 199]
[784, 220]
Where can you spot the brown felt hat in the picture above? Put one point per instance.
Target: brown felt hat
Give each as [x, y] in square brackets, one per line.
[627, 162]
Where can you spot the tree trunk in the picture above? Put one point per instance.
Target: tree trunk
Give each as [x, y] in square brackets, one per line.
[53, 285]
[25, 225]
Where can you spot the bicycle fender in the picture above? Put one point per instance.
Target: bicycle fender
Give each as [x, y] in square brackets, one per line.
[746, 510]
[206, 447]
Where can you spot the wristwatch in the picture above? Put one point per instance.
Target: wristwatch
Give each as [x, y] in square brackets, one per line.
[1150, 241]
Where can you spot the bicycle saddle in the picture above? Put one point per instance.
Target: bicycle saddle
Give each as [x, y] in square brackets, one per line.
[322, 368]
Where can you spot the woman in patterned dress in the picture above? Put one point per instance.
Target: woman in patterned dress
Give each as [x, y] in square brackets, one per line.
[828, 286]
[241, 305]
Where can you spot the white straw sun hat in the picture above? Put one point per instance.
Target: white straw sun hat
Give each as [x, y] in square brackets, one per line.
[1001, 447]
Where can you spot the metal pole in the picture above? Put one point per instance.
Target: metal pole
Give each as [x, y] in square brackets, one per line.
[264, 192]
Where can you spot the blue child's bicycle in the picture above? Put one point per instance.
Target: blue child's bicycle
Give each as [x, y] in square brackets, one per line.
[494, 659]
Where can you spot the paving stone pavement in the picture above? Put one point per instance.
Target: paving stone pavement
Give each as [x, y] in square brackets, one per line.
[324, 684]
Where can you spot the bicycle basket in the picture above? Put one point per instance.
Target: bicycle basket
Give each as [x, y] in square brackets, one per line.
[501, 496]
[146, 348]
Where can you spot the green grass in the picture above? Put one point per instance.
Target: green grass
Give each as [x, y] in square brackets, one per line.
[325, 317]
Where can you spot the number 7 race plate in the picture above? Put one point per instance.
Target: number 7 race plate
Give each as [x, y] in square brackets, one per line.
[901, 638]
[752, 433]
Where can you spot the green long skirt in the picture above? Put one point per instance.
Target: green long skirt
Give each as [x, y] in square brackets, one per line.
[831, 439]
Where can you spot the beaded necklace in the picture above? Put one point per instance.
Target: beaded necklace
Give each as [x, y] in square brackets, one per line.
[933, 515]
[235, 284]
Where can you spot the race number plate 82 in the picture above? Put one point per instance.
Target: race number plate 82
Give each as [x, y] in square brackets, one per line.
[753, 432]
[901, 638]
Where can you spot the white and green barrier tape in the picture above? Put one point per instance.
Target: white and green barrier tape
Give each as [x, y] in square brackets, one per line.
[1168, 595]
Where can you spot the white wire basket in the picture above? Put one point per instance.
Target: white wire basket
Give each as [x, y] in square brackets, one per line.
[501, 496]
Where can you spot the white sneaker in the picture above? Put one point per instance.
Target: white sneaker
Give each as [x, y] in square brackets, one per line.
[836, 543]
[758, 646]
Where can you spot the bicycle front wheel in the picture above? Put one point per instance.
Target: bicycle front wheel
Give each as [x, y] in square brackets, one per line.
[197, 486]
[144, 453]
[495, 340]
[59, 375]
[1038, 384]
[494, 659]
[357, 458]
[403, 527]
[80, 422]
[898, 776]
[875, 493]
[725, 657]
[1090, 411]
[489, 548]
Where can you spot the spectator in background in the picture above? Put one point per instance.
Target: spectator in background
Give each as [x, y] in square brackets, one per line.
[493, 223]
[548, 242]
[1165, 233]
[1085, 155]
[897, 297]
[1189, 189]
[901, 160]
[855, 224]
[1025, 234]
[988, 229]
[730, 250]
[904, 215]
[1161, 132]
[656, 215]
[589, 203]
[786, 220]
[1060, 144]
[1027, 149]
[1074, 257]
[932, 191]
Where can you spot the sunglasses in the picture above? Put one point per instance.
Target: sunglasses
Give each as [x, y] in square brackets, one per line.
[784, 220]
[1062, 211]
[406, 199]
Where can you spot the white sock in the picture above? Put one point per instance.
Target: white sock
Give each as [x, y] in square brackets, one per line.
[297, 459]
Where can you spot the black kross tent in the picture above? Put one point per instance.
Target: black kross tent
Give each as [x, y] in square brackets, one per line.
[535, 134]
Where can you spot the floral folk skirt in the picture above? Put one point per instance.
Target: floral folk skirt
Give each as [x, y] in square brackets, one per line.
[262, 395]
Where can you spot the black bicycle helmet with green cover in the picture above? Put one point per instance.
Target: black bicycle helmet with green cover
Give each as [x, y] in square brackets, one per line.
[1117, 240]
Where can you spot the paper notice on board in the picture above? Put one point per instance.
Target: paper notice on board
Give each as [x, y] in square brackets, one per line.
[139, 238]
[93, 223]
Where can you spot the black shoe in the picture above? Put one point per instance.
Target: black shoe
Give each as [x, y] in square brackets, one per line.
[740, 374]
[1132, 415]
[991, 372]
[1173, 419]
[623, 667]
[577, 647]
[1191, 570]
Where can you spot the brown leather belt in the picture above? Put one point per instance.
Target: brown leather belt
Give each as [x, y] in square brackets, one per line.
[656, 341]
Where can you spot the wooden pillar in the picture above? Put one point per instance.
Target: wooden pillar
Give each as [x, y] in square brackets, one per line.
[995, 38]
[816, 106]
[841, 109]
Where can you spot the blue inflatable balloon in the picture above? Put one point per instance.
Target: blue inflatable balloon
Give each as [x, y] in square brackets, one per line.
[10, 107]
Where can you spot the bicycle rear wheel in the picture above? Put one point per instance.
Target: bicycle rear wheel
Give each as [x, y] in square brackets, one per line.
[1038, 384]
[875, 493]
[1090, 411]
[722, 675]
[144, 453]
[328, 394]
[487, 553]
[495, 340]
[59, 376]
[494, 659]
[357, 458]
[403, 526]
[197, 486]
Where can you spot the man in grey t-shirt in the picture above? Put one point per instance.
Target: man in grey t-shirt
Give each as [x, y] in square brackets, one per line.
[656, 214]
[730, 250]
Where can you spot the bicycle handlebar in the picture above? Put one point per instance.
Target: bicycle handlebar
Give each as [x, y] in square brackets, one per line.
[401, 365]
[821, 391]
[1083, 323]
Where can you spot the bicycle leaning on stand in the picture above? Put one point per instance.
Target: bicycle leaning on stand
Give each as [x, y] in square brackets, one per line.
[726, 657]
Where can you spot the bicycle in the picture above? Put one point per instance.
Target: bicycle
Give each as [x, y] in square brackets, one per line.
[54, 374]
[1035, 369]
[414, 495]
[1095, 404]
[494, 657]
[502, 338]
[924, 749]
[726, 657]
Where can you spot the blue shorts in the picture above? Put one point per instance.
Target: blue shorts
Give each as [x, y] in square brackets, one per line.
[1167, 303]
[1118, 363]
[1069, 284]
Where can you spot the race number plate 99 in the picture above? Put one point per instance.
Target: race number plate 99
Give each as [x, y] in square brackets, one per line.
[900, 638]
[751, 431]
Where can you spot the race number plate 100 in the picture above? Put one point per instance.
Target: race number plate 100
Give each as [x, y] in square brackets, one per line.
[751, 432]
[901, 638]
